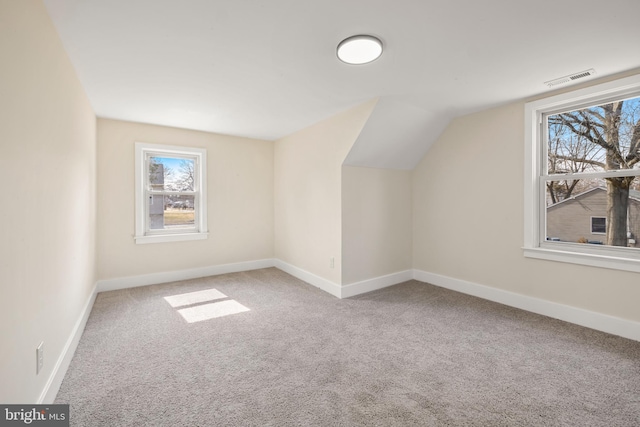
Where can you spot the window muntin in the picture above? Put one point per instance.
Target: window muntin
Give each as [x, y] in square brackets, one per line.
[561, 173]
[170, 195]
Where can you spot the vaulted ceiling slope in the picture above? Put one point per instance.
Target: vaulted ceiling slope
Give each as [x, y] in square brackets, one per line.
[266, 69]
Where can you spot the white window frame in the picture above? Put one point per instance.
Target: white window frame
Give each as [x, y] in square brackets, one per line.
[535, 245]
[142, 234]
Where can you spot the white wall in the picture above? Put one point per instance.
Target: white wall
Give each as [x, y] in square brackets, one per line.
[240, 202]
[376, 223]
[308, 167]
[468, 220]
[48, 215]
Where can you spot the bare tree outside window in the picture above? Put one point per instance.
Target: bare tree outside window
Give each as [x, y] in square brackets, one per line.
[600, 138]
[186, 176]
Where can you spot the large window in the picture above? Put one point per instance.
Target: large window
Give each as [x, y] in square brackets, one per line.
[170, 193]
[582, 182]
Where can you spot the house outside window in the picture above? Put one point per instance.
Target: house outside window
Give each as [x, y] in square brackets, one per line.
[170, 193]
[582, 176]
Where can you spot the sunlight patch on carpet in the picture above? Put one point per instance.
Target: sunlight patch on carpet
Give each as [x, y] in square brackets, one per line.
[194, 297]
[201, 306]
[211, 311]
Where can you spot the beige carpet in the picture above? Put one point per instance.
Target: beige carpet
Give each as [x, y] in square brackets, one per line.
[411, 354]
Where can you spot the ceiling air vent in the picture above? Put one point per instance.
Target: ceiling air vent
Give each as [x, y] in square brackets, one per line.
[571, 77]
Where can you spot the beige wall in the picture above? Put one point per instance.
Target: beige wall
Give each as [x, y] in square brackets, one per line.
[307, 188]
[239, 191]
[48, 218]
[376, 223]
[468, 220]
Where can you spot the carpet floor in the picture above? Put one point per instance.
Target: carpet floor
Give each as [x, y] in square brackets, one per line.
[410, 354]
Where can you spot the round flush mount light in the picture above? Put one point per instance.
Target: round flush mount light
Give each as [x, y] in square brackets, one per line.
[360, 49]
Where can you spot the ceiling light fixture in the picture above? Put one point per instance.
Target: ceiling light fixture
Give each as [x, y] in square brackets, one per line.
[357, 50]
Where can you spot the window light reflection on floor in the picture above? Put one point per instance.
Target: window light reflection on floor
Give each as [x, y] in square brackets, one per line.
[200, 311]
[211, 311]
[194, 297]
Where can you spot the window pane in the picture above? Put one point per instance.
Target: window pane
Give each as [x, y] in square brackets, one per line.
[171, 174]
[591, 212]
[594, 139]
[598, 225]
[171, 212]
[561, 190]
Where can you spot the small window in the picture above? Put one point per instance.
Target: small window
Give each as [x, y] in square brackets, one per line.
[598, 225]
[170, 193]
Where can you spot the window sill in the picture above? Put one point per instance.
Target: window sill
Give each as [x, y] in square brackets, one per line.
[590, 259]
[162, 238]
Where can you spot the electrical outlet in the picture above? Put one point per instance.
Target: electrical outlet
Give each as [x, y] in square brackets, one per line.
[39, 357]
[332, 262]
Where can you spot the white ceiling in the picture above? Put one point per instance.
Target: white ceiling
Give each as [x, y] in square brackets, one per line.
[266, 69]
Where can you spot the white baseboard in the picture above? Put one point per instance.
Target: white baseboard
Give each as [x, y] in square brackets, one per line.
[317, 281]
[172, 276]
[54, 382]
[590, 319]
[345, 291]
[376, 283]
